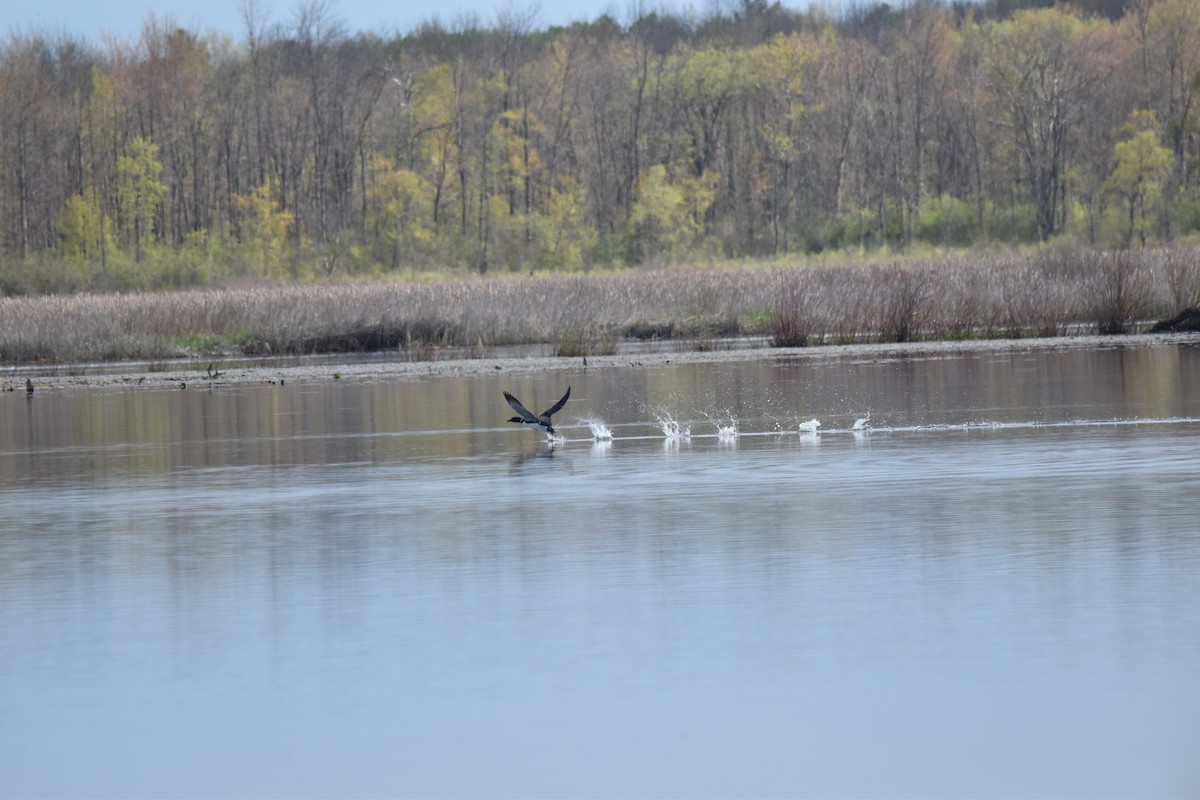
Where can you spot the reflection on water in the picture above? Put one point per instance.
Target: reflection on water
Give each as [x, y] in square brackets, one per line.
[383, 589]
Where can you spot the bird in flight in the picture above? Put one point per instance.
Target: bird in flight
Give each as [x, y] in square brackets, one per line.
[541, 421]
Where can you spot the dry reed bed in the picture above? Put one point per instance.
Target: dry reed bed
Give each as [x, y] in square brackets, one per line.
[985, 296]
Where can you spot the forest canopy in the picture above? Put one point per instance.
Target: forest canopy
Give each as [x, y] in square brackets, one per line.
[302, 150]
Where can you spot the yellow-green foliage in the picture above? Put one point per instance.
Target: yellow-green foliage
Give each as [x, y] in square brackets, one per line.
[945, 220]
[758, 132]
[140, 194]
[564, 236]
[264, 228]
[1139, 167]
[85, 234]
[668, 215]
[400, 215]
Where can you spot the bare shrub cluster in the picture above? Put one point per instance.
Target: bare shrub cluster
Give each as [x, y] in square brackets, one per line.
[986, 296]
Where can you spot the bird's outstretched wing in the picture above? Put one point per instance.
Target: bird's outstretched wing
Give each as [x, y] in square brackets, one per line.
[517, 407]
[554, 409]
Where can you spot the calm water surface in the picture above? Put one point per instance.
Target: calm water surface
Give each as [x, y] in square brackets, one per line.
[382, 589]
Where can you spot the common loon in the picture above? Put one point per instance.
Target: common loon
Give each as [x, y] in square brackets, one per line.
[541, 421]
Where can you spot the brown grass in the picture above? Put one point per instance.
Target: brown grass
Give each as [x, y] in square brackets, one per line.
[991, 296]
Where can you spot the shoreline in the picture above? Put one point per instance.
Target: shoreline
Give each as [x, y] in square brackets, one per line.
[193, 373]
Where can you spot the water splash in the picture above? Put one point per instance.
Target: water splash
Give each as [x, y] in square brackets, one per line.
[810, 427]
[861, 424]
[673, 430]
[600, 431]
[728, 432]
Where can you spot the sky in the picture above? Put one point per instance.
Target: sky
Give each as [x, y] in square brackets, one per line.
[89, 18]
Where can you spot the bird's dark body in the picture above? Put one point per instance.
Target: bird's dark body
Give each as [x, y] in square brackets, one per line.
[539, 421]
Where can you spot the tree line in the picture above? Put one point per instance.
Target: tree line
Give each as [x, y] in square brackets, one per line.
[300, 149]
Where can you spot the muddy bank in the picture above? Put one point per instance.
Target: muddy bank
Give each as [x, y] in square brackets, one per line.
[198, 374]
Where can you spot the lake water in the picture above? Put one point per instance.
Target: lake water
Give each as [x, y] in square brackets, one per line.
[341, 589]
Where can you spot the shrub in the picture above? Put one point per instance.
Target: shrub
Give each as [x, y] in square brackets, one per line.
[903, 300]
[1181, 270]
[791, 322]
[1015, 223]
[946, 220]
[1117, 292]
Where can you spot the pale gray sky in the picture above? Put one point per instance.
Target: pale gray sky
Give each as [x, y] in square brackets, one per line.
[125, 17]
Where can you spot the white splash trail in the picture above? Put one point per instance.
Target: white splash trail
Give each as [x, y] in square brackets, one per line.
[673, 430]
[984, 425]
[600, 431]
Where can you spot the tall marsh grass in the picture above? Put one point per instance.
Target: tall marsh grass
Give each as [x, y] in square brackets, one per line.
[1003, 295]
